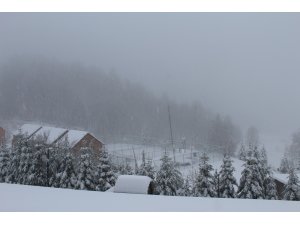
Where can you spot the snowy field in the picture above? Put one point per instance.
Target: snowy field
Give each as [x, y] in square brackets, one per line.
[188, 159]
[30, 198]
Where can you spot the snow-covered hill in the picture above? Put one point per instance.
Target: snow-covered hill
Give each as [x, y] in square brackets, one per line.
[29, 198]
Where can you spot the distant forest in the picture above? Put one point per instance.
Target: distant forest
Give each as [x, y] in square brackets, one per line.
[114, 109]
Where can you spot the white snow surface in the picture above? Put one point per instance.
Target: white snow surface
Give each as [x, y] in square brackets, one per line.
[32, 198]
[132, 184]
[74, 136]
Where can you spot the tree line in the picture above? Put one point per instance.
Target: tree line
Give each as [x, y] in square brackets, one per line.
[32, 162]
[115, 109]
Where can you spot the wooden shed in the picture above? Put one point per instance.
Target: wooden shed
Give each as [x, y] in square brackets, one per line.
[134, 184]
[55, 135]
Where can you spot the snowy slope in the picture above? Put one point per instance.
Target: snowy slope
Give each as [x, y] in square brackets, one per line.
[29, 198]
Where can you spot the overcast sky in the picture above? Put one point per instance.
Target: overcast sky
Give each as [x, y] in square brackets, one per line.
[246, 65]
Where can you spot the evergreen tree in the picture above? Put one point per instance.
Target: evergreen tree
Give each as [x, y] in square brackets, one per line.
[15, 158]
[37, 173]
[216, 183]
[251, 182]
[66, 174]
[105, 177]
[270, 188]
[204, 182]
[85, 173]
[4, 163]
[291, 189]
[227, 180]
[284, 165]
[125, 169]
[26, 157]
[187, 187]
[142, 168]
[146, 168]
[242, 153]
[169, 179]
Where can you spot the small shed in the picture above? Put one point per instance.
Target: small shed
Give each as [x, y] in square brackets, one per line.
[134, 184]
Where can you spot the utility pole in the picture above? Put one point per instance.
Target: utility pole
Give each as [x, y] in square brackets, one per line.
[171, 132]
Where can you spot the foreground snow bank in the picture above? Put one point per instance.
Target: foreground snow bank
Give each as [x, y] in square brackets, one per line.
[15, 197]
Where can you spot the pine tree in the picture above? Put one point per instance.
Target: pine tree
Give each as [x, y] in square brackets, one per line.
[270, 188]
[242, 153]
[37, 173]
[146, 168]
[216, 183]
[204, 182]
[85, 173]
[4, 163]
[291, 189]
[125, 169]
[15, 158]
[227, 179]
[105, 178]
[251, 182]
[66, 174]
[187, 187]
[284, 165]
[142, 168]
[169, 179]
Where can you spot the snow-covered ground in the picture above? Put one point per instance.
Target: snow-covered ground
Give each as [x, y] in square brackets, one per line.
[189, 159]
[30, 198]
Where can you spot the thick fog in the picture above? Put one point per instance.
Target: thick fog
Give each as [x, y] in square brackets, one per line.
[243, 65]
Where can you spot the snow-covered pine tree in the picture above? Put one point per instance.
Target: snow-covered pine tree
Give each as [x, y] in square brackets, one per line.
[37, 173]
[26, 156]
[66, 174]
[264, 169]
[146, 168]
[86, 171]
[142, 168]
[291, 189]
[204, 181]
[216, 183]
[4, 163]
[104, 176]
[251, 182]
[15, 158]
[227, 179]
[125, 169]
[270, 187]
[284, 165]
[242, 153]
[187, 187]
[169, 180]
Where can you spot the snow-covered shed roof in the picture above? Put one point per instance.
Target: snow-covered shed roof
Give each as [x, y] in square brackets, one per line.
[28, 129]
[283, 177]
[52, 133]
[74, 136]
[132, 184]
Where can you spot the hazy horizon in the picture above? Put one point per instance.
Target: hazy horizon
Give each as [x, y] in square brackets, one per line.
[238, 64]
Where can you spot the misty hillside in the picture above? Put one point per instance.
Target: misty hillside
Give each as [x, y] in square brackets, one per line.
[114, 109]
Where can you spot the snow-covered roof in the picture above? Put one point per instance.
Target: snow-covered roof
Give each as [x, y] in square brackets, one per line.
[52, 133]
[74, 136]
[132, 184]
[283, 177]
[28, 129]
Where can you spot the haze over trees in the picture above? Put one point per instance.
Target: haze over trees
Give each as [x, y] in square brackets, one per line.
[114, 109]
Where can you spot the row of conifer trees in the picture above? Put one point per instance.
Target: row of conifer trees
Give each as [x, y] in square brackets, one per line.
[36, 163]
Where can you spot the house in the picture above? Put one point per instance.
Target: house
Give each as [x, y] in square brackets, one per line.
[134, 184]
[56, 135]
[2, 136]
[280, 181]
